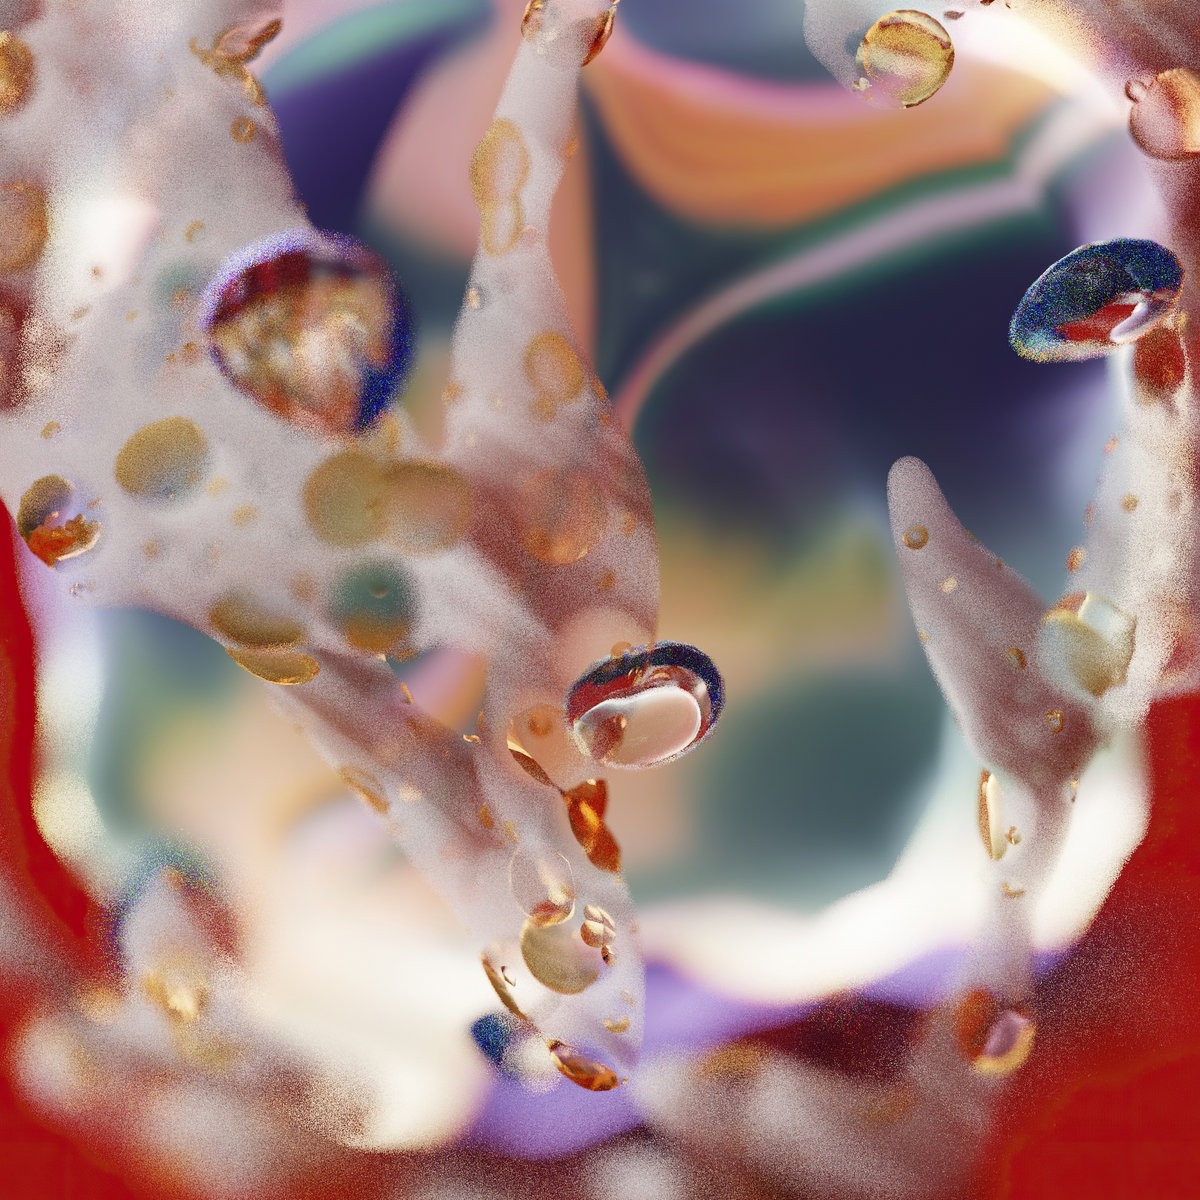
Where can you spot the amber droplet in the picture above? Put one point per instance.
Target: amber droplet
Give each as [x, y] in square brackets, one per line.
[1165, 117]
[1016, 657]
[163, 460]
[500, 165]
[563, 516]
[905, 57]
[524, 759]
[994, 1039]
[616, 1024]
[1129, 502]
[1055, 721]
[563, 41]
[916, 537]
[24, 225]
[502, 986]
[646, 706]
[553, 369]
[243, 130]
[178, 989]
[598, 930]
[53, 521]
[1159, 365]
[543, 884]
[243, 43]
[589, 1074]
[428, 506]
[287, 667]
[240, 619]
[1076, 558]
[344, 499]
[557, 958]
[16, 72]
[1094, 638]
[994, 841]
[366, 787]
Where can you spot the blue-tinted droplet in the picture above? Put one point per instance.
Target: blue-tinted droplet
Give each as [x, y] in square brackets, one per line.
[374, 605]
[646, 706]
[1099, 297]
[311, 326]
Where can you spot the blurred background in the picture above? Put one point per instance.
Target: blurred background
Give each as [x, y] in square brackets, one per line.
[784, 289]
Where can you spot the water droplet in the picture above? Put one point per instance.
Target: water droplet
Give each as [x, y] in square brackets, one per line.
[1076, 558]
[524, 759]
[1055, 721]
[1016, 656]
[916, 537]
[286, 667]
[24, 225]
[554, 372]
[243, 43]
[163, 460]
[565, 41]
[344, 499]
[1096, 298]
[647, 706]
[366, 787]
[949, 585]
[589, 1074]
[1165, 119]
[598, 929]
[1093, 638]
[374, 605]
[996, 1040]
[557, 958]
[616, 1024]
[16, 72]
[243, 130]
[1129, 502]
[429, 506]
[500, 165]
[905, 56]
[312, 327]
[994, 841]
[586, 804]
[55, 522]
[563, 516]
[239, 619]
[543, 884]
[502, 985]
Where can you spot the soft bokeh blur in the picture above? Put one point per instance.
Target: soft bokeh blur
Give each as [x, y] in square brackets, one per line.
[784, 289]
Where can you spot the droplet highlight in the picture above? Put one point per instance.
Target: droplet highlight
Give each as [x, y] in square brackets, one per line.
[904, 58]
[543, 884]
[557, 958]
[55, 522]
[312, 327]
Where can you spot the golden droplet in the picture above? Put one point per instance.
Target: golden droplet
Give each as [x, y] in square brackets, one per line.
[557, 958]
[1165, 117]
[366, 787]
[52, 522]
[604, 28]
[163, 460]
[905, 57]
[500, 225]
[51, 429]
[1016, 657]
[194, 230]
[16, 72]
[563, 516]
[243, 43]
[1010, 892]
[1095, 639]
[286, 667]
[1055, 721]
[345, 498]
[993, 840]
[24, 225]
[502, 986]
[598, 930]
[589, 1074]
[500, 165]
[243, 130]
[428, 506]
[994, 1039]
[916, 537]
[949, 585]
[1013, 836]
[616, 1024]
[485, 817]
[242, 620]
[1129, 502]
[1076, 558]
[178, 989]
[553, 369]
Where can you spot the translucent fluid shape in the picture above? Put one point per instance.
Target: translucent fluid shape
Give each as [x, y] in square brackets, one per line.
[55, 522]
[1164, 118]
[904, 58]
[1098, 297]
[646, 706]
[312, 327]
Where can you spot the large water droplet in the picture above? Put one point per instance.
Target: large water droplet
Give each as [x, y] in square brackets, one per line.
[55, 521]
[543, 885]
[1096, 298]
[1165, 117]
[563, 516]
[163, 460]
[565, 42]
[240, 619]
[311, 326]
[994, 1038]
[502, 983]
[557, 957]
[285, 667]
[1092, 638]
[429, 506]
[991, 830]
[904, 58]
[647, 706]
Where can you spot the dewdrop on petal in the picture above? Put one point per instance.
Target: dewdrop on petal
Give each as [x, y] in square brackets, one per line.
[1092, 639]
[1164, 116]
[904, 58]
